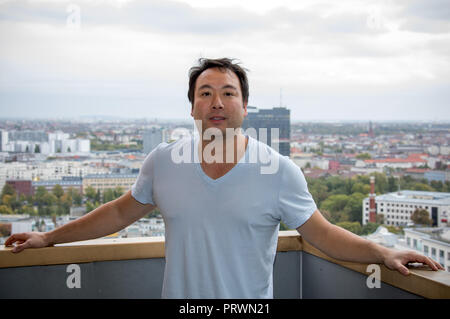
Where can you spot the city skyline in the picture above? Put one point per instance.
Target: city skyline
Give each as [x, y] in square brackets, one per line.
[351, 60]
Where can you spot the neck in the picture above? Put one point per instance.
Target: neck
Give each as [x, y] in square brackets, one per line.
[223, 149]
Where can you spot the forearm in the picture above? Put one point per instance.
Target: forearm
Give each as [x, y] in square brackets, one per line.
[102, 221]
[344, 245]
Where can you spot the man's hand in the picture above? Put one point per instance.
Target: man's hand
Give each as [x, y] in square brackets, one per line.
[27, 240]
[396, 260]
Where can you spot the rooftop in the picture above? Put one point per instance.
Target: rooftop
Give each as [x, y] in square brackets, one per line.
[432, 198]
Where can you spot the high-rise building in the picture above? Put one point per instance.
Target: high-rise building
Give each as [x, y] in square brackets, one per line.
[3, 140]
[268, 119]
[152, 138]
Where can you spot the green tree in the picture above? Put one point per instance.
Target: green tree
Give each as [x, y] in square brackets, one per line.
[319, 191]
[392, 184]
[421, 217]
[354, 207]
[90, 193]
[108, 195]
[58, 191]
[8, 190]
[422, 187]
[5, 210]
[354, 227]
[118, 191]
[363, 156]
[369, 228]
[335, 206]
[361, 188]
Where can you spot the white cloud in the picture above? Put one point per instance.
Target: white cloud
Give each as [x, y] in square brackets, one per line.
[143, 49]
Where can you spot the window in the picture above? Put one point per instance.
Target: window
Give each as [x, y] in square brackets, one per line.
[448, 256]
[425, 250]
[415, 243]
[408, 241]
[433, 253]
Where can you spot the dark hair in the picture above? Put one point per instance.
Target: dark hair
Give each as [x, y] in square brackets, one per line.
[223, 64]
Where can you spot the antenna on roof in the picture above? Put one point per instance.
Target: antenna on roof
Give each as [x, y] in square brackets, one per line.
[281, 97]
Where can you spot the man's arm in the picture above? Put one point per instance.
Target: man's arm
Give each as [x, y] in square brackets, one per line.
[104, 220]
[341, 244]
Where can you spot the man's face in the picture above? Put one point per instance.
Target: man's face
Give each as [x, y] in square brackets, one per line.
[218, 100]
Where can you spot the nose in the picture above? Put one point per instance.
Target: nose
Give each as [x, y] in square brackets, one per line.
[217, 103]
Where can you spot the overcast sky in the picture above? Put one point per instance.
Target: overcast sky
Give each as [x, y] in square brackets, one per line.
[333, 60]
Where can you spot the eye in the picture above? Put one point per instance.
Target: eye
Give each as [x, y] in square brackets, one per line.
[229, 93]
[205, 94]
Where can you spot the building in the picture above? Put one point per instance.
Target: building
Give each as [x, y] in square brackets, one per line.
[3, 140]
[269, 121]
[152, 138]
[432, 242]
[66, 183]
[413, 160]
[22, 187]
[397, 207]
[109, 181]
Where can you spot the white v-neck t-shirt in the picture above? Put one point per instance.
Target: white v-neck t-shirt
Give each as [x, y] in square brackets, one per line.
[221, 234]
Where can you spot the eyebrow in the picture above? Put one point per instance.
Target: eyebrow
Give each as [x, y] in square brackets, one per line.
[207, 86]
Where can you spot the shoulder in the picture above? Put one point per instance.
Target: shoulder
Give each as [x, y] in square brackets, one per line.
[268, 155]
[165, 148]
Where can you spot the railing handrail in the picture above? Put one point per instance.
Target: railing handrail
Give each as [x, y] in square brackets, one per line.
[421, 281]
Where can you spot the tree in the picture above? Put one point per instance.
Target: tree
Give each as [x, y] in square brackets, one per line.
[58, 191]
[37, 148]
[354, 207]
[369, 228]
[118, 191]
[108, 195]
[354, 227]
[5, 210]
[90, 193]
[421, 217]
[422, 187]
[363, 156]
[318, 190]
[335, 206]
[8, 190]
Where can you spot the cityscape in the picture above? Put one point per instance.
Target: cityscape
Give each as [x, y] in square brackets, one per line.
[386, 181]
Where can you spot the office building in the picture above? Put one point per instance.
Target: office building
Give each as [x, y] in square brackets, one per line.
[432, 242]
[152, 138]
[269, 121]
[397, 207]
[104, 181]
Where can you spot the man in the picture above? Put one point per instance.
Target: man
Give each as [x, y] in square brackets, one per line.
[221, 212]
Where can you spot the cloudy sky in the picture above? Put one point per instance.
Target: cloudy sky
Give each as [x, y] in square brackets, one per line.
[333, 60]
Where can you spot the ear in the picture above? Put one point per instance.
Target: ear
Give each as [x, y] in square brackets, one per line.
[192, 110]
[245, 108]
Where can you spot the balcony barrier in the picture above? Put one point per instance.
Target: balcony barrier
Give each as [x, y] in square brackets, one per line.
[134, 268]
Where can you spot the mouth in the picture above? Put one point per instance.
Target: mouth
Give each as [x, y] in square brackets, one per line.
[217, 119]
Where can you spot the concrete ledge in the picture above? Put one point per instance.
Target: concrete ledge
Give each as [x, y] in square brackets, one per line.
[423, 282]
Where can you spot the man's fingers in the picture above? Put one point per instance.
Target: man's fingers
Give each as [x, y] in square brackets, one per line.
[402, 269]
[428, 261]
[21, 247]
[15, 237]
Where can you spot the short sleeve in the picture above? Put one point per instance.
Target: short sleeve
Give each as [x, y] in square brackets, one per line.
[142, 189]
[295, 203]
